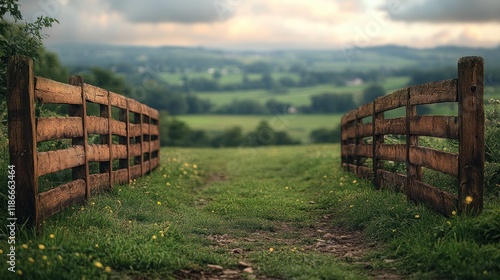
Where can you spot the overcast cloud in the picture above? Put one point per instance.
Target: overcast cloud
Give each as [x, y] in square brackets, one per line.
[447, 10]
[269, 24]
[159, 11]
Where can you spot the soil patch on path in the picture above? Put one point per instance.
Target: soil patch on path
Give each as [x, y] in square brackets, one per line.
[347, 246]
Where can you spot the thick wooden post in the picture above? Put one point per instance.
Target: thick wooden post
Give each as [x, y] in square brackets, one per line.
[125, 163]
[413, 172]
[106, 139]
[138, 139]
[377, 140]
[470, 92]
[22, 139]
[82, 171]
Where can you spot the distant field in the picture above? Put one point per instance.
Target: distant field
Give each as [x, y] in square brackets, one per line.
[226, 79]
[296, 96]
[298, 126]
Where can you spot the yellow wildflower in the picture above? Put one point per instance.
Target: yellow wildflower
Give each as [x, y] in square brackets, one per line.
[1, 251]
[31, 260]
[25, 246]
[19, 272]
[417, 216]
[41, 246]
[453, 213]
[107, 269]
[44, 257]
[159, 203]
[271, 249]
[52, 236]
[98, 264]
[468, 199]
[59, 257]
[153, 237]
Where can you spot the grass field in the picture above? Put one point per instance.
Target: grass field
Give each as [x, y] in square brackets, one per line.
[296, 96]
[296, 125]
[265, 213]
[175, 79]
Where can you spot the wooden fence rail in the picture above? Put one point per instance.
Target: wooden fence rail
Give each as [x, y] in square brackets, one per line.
[362, 140]
[131, 140]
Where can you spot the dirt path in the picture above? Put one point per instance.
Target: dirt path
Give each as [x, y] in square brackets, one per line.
[346, 246]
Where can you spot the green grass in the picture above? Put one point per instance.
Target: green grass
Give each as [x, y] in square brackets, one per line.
[170, 221]
[175, 79]
[222, 206]
[298, 126]
[298, 96]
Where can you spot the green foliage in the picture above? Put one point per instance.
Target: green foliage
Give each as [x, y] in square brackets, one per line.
[264, 135]
[331, 103]
[492, 139]
[106, 79]
[49, 66]
[371, 93]
[177, 133]
[18, 37]
[421, 242]
[324, 135]
[244, 107]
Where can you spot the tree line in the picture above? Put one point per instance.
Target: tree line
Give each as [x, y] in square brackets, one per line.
[177, 133]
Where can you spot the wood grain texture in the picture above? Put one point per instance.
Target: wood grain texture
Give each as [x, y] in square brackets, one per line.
[53, 161]
[395, 126]
[434, 92]
[22, 135]
[435, 159]
[55, 200]
[395, 152]
[392, 101]
[52, 128]
[471, 133]
[95, 94]
[439, 200]
[52, 92]
[435, 126]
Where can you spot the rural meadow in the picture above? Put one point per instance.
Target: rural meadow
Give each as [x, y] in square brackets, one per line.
[232, 139]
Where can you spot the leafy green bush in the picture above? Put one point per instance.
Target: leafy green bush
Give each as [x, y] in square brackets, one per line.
[492, 141]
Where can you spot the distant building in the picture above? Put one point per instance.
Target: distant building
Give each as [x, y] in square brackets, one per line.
[354, 82]
[292, 110]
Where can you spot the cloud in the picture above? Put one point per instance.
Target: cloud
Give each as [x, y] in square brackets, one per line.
[185, 11]
[444, 10]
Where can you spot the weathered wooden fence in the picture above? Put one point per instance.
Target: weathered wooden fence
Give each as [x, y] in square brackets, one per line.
[131, 140]
[468, 127]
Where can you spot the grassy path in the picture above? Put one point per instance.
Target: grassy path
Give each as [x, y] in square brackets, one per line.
[267, 213]
[230, 214]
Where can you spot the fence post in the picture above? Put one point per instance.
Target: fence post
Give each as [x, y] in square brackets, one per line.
[125, 117]
[470, 93]
[413, 172]
[106, 139]
[377, 140]
[22, 139]
[81, 172]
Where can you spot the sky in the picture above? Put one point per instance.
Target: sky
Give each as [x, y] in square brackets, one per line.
[271, 24]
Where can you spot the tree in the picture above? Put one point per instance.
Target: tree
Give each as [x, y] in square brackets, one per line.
[18, 37]
[371, 93]
[331, 103]
[106, 79]
[323, 135]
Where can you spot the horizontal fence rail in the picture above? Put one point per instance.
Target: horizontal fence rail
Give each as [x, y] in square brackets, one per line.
[128, 144]
[363, 140]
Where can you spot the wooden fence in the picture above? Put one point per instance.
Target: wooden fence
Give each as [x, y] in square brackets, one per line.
[130, 142]
[358, 129]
